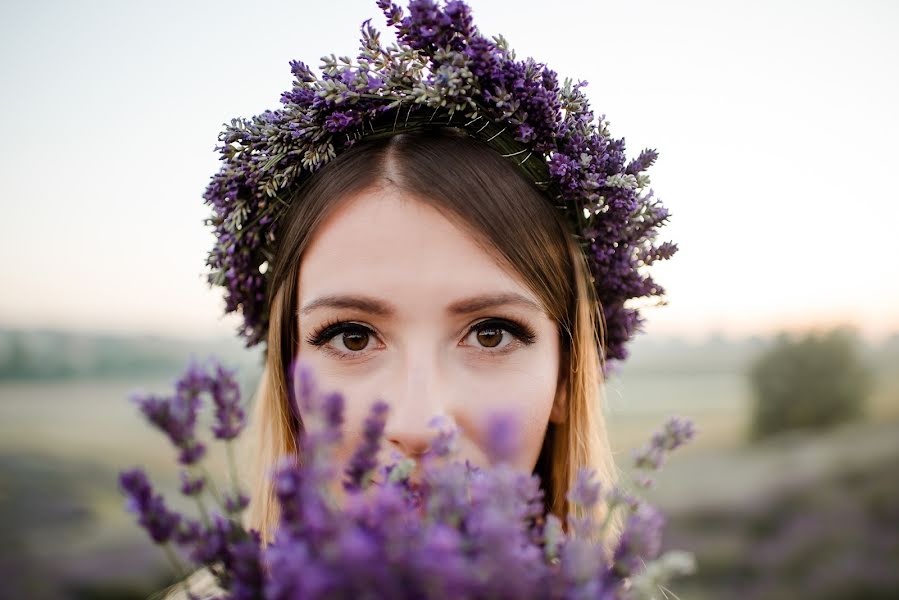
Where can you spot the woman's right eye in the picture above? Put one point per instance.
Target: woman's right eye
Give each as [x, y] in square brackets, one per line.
[344, 339]
[354, 341]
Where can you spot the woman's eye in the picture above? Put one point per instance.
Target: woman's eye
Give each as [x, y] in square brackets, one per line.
[489, 337]
[354, 341]
[343, 339]
[496, 335]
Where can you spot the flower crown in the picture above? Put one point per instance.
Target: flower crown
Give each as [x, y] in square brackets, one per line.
[441, 73]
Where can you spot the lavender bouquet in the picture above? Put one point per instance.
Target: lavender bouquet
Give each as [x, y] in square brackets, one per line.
[461, 532]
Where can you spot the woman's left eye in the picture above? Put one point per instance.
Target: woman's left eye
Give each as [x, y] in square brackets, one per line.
[496, 335]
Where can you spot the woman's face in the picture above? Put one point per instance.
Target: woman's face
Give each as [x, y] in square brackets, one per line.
[398, 303]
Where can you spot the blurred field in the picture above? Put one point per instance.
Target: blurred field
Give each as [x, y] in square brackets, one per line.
[799, 515]
[64, 533]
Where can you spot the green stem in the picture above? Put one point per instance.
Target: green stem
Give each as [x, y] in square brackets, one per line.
[218, 497]
[638, 484]
[198, 471]
[204, 514]
[608, 519]
[232, 466]
[212, 489]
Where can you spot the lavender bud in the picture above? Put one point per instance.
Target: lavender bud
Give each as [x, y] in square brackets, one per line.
[150, 507]
[503, 438]
[191, 486]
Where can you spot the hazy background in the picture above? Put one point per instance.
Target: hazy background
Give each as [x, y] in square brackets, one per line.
[776, 128]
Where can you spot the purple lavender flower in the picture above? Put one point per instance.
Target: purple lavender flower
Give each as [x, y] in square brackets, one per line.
[150, 507]
[585, 492]
[332, 407]
[675, 433]
[445, 442]
[642, 162]
[640, 541]
[176, 417]
[212, 545]
[194, 381]
[364, 460]
[503, 441]
[225, 391]
[303, 387]
[235, 503]
[618, 496]
[188, 532]
[342, 120]
[580, 564]
[247, 571]
[304, 510]
[191, 486]
[463, 532]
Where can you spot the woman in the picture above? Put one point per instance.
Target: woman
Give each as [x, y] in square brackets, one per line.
[422, 221]
[442, 227]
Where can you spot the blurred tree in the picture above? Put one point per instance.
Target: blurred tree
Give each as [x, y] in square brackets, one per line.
[15, 358]
[810, 382]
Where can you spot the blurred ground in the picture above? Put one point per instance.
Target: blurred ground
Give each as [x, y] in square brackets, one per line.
[802, 516]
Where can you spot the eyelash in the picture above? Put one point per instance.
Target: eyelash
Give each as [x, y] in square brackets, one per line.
[523, 333]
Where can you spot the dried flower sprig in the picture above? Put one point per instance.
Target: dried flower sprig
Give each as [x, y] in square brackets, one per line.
[651, 457]
[461, 531]
[442, 72]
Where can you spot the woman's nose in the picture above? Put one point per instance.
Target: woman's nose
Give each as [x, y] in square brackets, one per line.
[416, 400]
[411, 444]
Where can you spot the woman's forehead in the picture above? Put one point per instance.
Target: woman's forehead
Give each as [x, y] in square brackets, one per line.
[387, 245]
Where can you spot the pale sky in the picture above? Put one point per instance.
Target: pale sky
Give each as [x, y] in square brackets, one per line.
[776, 125]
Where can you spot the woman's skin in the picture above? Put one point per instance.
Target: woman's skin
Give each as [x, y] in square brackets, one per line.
[414, 284]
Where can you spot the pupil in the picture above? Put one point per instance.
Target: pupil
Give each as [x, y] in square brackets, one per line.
[355, 341]
[490, 337]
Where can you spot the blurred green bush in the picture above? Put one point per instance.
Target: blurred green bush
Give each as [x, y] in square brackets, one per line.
[812, 381]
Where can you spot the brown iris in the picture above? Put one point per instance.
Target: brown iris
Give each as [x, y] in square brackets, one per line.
[355, 340]
[490, 337]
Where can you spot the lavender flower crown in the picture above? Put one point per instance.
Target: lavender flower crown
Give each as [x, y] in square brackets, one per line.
[441, 73]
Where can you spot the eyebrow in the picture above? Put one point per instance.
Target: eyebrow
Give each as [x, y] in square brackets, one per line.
[385, 309]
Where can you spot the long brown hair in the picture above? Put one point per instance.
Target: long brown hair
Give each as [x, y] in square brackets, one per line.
[470, 182]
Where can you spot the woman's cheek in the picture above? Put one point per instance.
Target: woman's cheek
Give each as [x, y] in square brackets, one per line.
[529, 394]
